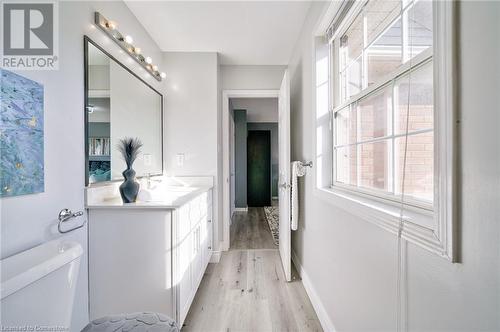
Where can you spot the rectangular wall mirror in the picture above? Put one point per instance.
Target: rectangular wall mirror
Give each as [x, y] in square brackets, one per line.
[119, 104]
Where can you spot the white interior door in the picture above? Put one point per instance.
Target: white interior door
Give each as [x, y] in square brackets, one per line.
[284, 176]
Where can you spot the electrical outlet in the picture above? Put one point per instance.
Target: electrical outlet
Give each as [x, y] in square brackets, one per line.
[180, 159]
[148, 159]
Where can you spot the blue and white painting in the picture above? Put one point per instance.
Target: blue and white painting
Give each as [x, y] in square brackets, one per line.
[21, 135]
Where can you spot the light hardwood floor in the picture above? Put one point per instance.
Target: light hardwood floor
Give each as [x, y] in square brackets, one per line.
[249, 230]
[246, 290]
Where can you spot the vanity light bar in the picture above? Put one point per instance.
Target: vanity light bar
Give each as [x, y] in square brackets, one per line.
[125, 42]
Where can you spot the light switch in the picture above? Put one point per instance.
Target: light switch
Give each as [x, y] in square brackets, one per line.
[148, 158]
[180, 159]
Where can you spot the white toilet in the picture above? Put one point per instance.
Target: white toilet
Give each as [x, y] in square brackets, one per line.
[38, 290]
[38, 285]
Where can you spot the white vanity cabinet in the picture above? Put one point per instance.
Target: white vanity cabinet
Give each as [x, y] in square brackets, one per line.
[193, 240]
[148, 256]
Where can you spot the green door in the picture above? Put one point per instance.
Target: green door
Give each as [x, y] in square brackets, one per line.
[259, 168]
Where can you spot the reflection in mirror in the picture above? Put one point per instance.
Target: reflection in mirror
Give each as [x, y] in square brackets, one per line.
[119, 105]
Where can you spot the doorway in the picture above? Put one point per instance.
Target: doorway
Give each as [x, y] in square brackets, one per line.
[231, 146]
[283, 166]
[259, 168]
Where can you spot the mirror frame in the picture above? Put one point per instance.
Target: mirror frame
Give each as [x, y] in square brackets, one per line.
[86, 41]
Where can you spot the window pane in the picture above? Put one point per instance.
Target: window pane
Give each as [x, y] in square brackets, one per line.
[345, 126]
[420, 27]
[374, 165]
[351, 43]
[354, 77]
[384, 55]
[375, 114]
[379, 15]
[419, 172]
[421, 109]
[343, 86]
[346, 168]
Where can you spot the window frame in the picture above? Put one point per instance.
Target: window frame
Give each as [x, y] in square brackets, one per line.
[391, 198]
[431, 227]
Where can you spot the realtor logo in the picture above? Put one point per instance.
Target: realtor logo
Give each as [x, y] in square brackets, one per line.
[29, 35]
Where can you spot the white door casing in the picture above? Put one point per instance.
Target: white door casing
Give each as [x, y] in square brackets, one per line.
[284, 176]
[232, 165]
[226, 152]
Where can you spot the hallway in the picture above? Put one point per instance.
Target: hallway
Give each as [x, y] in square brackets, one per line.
[246, 291]
[249, 230]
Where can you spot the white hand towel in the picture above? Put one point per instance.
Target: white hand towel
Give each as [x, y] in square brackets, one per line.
[298, 170]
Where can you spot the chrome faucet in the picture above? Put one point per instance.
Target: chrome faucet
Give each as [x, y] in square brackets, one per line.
[149, 180]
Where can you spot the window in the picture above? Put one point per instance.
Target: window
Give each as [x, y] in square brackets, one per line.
[384, 49]
[392, 110]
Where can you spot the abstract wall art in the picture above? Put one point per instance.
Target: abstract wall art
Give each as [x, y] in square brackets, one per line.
[21, 135]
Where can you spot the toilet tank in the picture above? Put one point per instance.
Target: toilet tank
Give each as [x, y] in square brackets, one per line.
[38, 287]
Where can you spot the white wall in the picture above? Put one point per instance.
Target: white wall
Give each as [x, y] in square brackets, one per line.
[101, 110]
[191, 115]
[258, 109]
[27, 221]
[352, 264]
[251, 77]
[191, 112]
[98, 76]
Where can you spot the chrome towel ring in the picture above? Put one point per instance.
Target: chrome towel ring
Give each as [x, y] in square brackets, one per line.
[65, 215]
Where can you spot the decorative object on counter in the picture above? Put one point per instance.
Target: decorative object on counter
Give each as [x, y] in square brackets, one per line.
[125, 42]
[129, 148]
[21, 136]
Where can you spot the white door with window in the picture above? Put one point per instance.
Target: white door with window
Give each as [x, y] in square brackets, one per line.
[284, 176]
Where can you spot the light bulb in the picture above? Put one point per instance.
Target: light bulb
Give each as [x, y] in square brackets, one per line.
[137, 50]
[149, 60]
[163, 75]
[111, 25]
[129, 39]
[155, 68]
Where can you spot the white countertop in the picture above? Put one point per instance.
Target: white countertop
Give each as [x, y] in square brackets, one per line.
[170, 198]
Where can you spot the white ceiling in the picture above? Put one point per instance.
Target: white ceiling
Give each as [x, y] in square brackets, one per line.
[258, 109]
[243, 32]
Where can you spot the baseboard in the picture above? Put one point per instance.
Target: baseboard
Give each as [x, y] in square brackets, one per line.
[215, 257]
[320, 310]
[241, 209]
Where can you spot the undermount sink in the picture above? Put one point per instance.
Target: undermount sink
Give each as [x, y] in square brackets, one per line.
[162, 193]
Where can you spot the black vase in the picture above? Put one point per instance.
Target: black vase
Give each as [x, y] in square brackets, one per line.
[129, 188]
